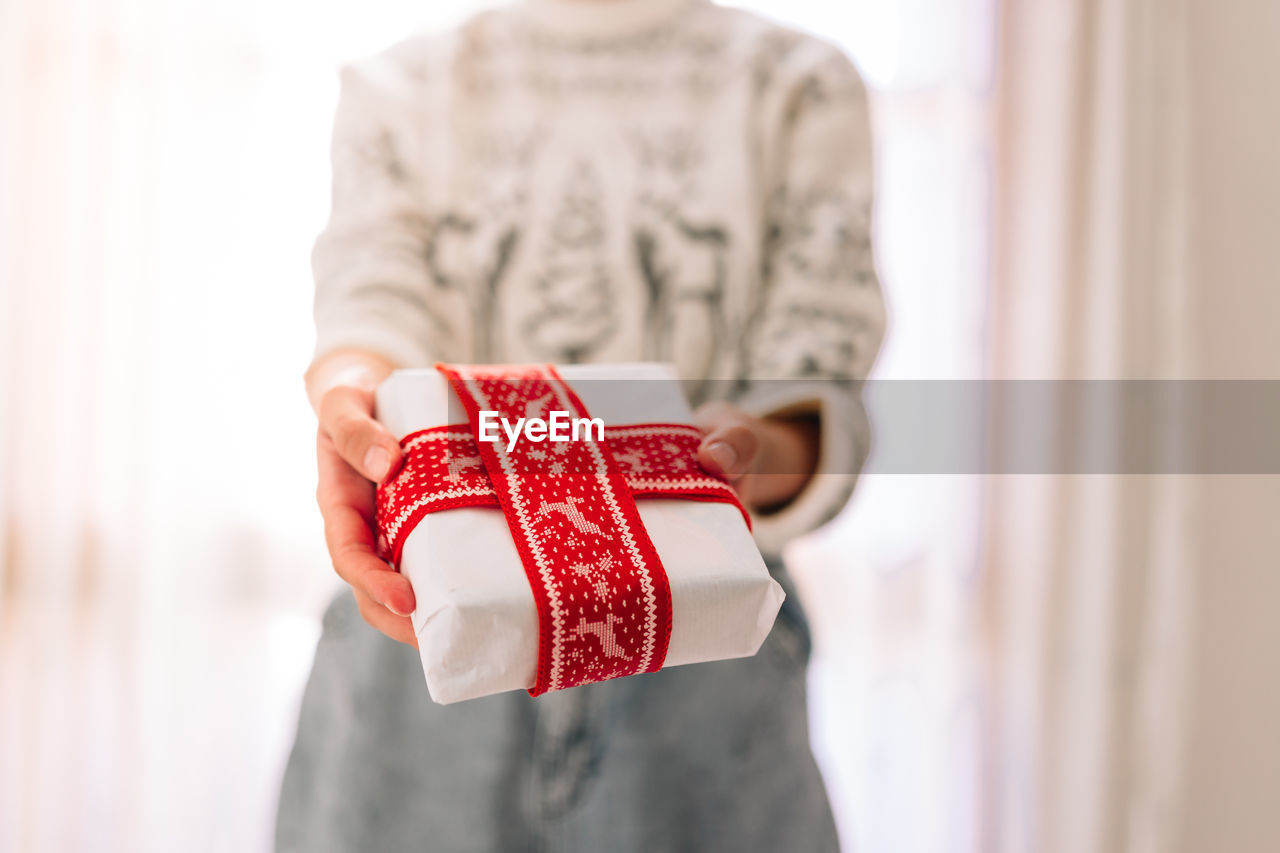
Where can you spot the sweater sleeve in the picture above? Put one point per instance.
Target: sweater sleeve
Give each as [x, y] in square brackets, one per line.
[820, 316]
[371, 281]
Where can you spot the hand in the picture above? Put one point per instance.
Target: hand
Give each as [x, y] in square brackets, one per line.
[767, 461]
[353, 451]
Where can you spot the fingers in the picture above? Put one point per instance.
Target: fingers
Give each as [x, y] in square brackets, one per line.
[350, 547]
[362, 569]
[731, 443]
[399, 628]
[353, 449]
[346, 505]
[346, 417]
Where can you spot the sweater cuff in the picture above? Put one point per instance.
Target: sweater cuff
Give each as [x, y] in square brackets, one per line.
[843, 442]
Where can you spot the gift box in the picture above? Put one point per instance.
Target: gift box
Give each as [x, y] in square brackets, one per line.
[532, 570]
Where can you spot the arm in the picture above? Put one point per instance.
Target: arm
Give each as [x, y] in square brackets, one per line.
[798, 430]
[372, 315]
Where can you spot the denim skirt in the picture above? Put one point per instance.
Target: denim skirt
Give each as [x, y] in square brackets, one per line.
[704, 757]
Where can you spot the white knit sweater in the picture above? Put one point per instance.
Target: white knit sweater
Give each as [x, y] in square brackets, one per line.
[568, 181]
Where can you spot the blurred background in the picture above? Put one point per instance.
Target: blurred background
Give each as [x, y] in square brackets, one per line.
[1067, 189]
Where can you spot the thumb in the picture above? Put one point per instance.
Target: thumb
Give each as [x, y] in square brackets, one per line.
[346, 415]
[729, 449]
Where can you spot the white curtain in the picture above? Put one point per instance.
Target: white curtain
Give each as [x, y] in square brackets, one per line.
[1089, 576]
[163, 170]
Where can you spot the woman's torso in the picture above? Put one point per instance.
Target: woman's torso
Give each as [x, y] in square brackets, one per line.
[595, 199]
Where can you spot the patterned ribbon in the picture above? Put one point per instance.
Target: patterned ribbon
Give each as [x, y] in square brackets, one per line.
[603, 600]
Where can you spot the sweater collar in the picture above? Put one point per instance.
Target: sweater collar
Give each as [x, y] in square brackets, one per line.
[590, 18]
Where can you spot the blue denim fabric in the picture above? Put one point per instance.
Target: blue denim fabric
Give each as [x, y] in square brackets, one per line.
[706, 757]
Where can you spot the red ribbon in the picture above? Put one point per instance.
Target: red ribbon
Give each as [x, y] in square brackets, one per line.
[603, 600]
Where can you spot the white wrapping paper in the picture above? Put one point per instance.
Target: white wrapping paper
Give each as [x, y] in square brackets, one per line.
[476, 621]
